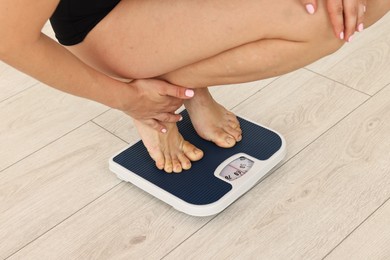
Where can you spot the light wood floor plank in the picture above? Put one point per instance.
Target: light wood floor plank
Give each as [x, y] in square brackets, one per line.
[232, 95]
[313, 202]
[370, 241]
[363, 64]
[127, 223]
[48, 30]
[229, 96]
[38, 116]
[119, 124]
[52, 184]
[301, 106]
[13, 81]
[124, 224]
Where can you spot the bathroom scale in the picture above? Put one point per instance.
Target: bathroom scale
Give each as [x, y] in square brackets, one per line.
[212, 183]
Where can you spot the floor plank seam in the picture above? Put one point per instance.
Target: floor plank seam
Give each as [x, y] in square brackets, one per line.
[379, 90]
[178, 245]
[105, 111]
[53, 141]
[257, 92]
[18, 93]
[62, 221]
[108, 131]
[327, 130]
[356, 228]
[341, 83]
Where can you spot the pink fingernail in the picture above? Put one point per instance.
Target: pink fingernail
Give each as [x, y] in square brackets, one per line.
[189, 93]
[341, 36]
[360, 27]
[310, 9]
[164, 131]
[350, 38]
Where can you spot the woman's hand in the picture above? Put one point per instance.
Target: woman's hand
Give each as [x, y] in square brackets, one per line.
[156, 102]
[346, 16]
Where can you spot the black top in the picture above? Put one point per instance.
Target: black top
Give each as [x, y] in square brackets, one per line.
[74, 19]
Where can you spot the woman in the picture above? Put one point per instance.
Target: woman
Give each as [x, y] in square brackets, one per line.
[156, 46]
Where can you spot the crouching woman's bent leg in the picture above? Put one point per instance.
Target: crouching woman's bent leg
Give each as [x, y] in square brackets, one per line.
[203, 43]
[274, 55]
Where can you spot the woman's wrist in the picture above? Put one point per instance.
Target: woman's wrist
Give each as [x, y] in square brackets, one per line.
[114, 93]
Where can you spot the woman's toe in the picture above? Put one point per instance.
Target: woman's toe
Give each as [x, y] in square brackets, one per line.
[185, 162]
[158, 158]
[192, 153]
[223, 139]
[176, 165]
[234, 132]
[168, 167]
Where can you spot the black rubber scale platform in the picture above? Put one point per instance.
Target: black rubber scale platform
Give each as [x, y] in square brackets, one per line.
[198, 185]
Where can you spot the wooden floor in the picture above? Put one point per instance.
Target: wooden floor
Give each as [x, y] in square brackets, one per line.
[328, 200]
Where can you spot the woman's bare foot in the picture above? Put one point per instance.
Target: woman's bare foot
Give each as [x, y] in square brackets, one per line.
[170, 151]
[212, 121]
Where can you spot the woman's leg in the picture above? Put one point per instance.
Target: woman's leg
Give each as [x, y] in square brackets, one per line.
[209, 55]
[266, 58]
[144, 39]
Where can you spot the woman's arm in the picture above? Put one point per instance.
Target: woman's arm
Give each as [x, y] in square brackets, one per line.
[24, 47]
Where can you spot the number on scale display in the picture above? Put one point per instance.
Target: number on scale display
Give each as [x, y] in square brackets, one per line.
[236, 168]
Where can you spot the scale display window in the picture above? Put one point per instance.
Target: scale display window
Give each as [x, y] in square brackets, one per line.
[236, 168]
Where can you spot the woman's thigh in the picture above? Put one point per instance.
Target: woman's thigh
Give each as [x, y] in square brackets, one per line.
[141, 39]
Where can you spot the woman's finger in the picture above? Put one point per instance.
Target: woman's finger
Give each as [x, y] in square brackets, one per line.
[360, 20]
[156, 125]
[336, 15]
[158, 122]
[168, 118]
[310, 5]
[351, 13]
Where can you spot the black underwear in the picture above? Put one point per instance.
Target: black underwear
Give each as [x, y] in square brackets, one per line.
[74, 19]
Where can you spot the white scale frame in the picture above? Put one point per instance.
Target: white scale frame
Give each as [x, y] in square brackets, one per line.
[240, 185]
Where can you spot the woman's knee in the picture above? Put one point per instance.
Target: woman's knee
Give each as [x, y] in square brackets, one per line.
[327, 43]
[320, 34]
